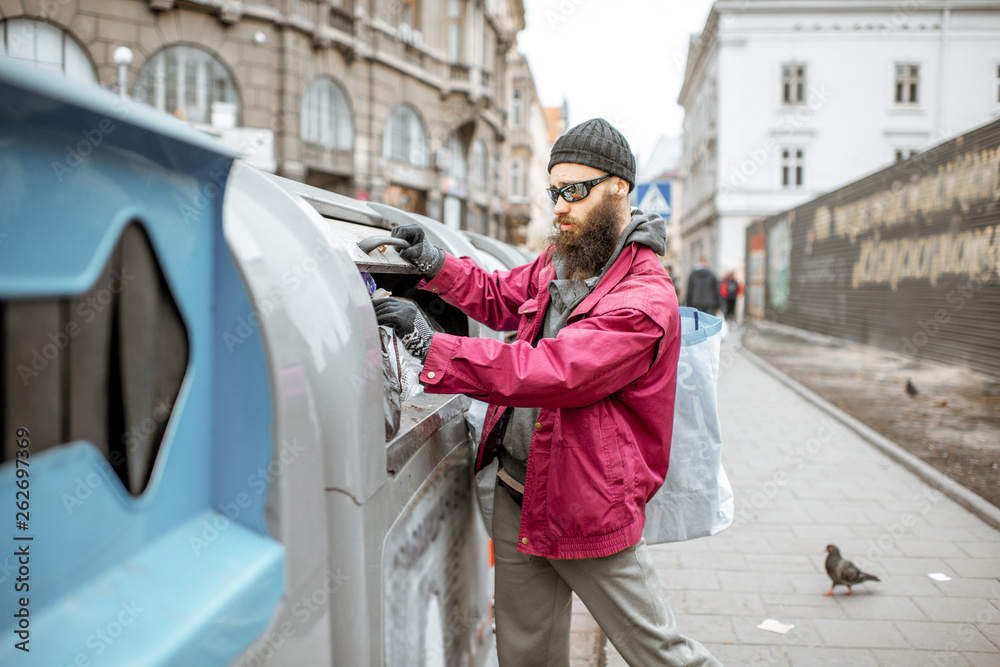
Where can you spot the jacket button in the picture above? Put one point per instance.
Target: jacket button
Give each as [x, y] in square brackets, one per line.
[538, 425]
[524, 540]
[430, 375]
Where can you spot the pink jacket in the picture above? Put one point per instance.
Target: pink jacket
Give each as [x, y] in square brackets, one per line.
[605, 386]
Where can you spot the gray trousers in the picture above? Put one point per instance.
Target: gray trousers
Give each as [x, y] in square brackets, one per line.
[534, 595]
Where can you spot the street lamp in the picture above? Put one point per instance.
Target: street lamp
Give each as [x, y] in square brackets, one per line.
[123, 58]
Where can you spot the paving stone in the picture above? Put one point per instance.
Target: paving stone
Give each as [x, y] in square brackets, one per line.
[992, 632]
[911, 658]
[969, 588]
[878, 607]
[980, 549]
[922, 549]
[982, 659]
[732, 604]
[894, 565]
[790, 563]
[945, 533]
[955, 637]
[738, 655]
[957, 610]
[860, 634]
[707, 628]
[978, 568]
[715, 561]
[814, 656]
[754, 582]
[689, 580]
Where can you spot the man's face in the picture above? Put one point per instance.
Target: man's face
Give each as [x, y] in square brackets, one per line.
[588, 229]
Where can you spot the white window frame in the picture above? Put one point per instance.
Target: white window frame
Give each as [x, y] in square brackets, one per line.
[458, 164]
[327, 119]
[46, 45]
[517, 108]
[455, 27]
[516, 179]
[405, 139]
[792, 167]
[793, 84]
[906, 90]
[191, 86]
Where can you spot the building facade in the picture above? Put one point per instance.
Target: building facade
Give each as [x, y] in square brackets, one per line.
[398, 101]
[533, 130]
[788, 99]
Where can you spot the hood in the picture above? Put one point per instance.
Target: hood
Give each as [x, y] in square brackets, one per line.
[648, 229]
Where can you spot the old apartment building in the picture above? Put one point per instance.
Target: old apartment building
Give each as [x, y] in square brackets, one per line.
[400, 101]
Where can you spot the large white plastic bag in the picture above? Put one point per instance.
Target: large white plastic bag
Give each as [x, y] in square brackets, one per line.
[696, 499]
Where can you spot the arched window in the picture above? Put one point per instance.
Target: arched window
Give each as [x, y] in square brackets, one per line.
[46, 46]
[478, 165]
[326, 115]
[190, 83]
[405, 140]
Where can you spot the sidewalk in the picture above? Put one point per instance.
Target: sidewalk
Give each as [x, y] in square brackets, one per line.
[804, 480]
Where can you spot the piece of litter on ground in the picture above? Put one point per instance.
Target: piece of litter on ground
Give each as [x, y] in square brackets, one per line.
[939, 576]
[772, 625]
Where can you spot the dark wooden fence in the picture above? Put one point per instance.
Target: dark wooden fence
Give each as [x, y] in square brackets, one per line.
[905, 259]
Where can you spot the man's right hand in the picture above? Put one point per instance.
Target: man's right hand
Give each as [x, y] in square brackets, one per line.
[427, 257]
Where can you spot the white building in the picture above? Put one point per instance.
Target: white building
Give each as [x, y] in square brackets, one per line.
[787, 99]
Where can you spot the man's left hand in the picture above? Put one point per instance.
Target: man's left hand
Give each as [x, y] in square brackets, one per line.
[408, 322]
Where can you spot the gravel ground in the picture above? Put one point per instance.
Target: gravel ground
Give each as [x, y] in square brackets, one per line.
[952, 421]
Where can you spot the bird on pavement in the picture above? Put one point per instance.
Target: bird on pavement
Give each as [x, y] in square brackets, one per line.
[844, 572]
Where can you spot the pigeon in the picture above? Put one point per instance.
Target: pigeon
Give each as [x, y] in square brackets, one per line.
[911, 388]
[844, 572]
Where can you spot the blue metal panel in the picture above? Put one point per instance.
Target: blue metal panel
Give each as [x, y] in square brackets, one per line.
[77, 166]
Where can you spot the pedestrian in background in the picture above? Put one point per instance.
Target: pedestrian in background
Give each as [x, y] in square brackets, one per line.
[703, 289]
[581, 407]
[673, 279]
[730, 290]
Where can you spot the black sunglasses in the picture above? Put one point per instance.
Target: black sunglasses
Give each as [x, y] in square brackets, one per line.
[575, 191]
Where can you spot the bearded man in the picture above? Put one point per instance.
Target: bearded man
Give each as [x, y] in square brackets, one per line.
[581, 407]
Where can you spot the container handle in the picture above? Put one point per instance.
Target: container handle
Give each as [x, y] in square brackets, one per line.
[369, 244]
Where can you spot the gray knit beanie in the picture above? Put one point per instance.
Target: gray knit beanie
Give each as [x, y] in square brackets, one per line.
[596, 144]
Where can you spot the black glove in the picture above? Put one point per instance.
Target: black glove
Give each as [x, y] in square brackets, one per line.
[426, 257]
[408, 322]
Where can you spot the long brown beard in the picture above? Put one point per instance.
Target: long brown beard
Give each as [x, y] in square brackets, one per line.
[585, 250]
